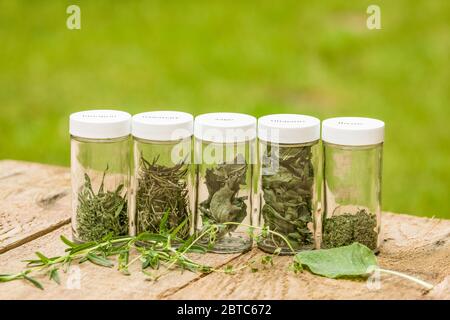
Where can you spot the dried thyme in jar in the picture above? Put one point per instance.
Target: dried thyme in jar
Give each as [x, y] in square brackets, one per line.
[290, 180]
[100, 170]
[163, 172]
[353, 150]
[343, 230]
[225, 156]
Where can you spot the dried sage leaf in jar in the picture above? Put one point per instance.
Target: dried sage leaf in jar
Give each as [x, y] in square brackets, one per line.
[223, 203]
[287, 193]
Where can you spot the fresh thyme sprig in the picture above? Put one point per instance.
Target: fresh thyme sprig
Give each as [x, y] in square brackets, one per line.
[159, 251]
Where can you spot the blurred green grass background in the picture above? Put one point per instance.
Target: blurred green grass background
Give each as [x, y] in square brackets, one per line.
[258, 57]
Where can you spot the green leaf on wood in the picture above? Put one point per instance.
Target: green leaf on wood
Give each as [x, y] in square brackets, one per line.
[354, 260]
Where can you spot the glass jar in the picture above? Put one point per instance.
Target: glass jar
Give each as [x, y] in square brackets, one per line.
[100, 170]
[353, 149]
[290, 182]
[225, 157]
[163, 173]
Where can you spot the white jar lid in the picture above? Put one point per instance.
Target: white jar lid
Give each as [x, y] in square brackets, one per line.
[100, 124]
[353, 131]
[288, 128]
[162, 125]
[225, 127]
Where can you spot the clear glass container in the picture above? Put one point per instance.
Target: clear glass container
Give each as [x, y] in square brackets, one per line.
[225, 155]
[100, 170]
[162, 196]
[290, 193]
[352, 182]
[290, 182]
[163, 185]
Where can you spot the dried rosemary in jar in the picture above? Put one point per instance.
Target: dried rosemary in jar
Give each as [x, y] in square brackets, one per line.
[353, 149]
[100, 169]
[163, 172]
[290, 187]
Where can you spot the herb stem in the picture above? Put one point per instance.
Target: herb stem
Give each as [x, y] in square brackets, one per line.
[204, 233]
[427, 285]
[133, 261]
[268, 230]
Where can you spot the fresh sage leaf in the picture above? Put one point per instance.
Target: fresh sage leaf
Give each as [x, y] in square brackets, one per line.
[355, 260]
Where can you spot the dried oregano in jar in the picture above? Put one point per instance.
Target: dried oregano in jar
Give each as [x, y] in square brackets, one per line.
[163, 175]
[353, 150]
[100, 169]
[289, 192]
[225, 156]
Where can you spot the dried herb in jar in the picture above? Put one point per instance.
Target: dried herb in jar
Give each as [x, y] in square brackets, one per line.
[287, 195]
[102, 213]
[345, 229]
[223, 203]
[162, 189]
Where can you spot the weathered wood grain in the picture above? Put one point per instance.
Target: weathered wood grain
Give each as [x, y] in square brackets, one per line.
[36, 211]
[416, 246]
[35, 200]
[425, 255]
[94, 282]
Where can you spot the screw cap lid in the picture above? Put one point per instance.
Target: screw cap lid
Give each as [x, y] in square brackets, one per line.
[353, 131]
[100, 124]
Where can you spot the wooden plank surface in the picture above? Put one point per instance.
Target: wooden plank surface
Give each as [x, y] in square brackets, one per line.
[88, 281]
[428, 259]
[35, 200]
[416, 246]
[37, 206]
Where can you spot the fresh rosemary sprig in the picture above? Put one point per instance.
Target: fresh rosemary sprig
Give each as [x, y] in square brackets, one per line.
[160, 252]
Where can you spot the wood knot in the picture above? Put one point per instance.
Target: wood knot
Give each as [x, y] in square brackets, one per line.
[49, 200]
[10, 175]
